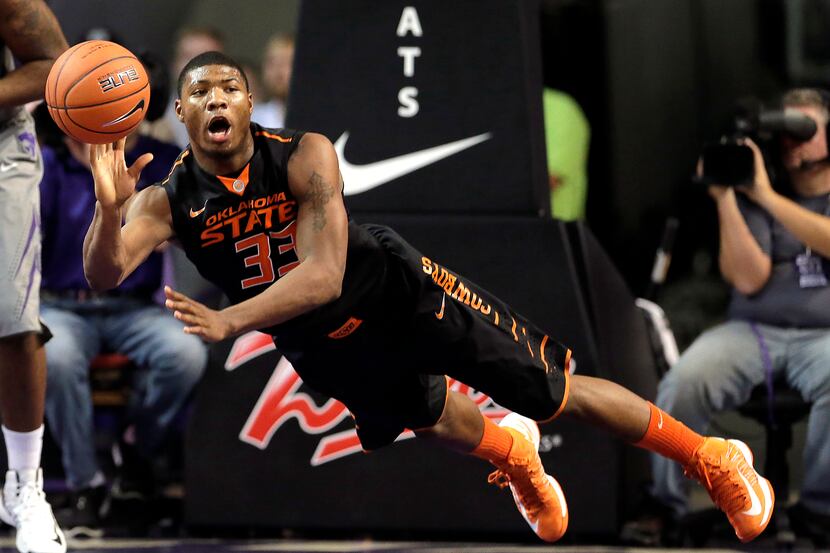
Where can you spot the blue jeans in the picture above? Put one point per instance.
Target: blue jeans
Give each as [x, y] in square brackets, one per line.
[718, 372]
[172, 363]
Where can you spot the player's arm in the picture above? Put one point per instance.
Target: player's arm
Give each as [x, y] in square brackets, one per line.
[112, 251]
[322, 240]
[32, 33]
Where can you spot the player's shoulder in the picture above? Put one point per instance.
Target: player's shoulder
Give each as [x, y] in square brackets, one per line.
[276, 136]
[178, 169]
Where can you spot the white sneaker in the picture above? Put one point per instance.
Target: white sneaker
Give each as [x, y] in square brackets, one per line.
[23, 505]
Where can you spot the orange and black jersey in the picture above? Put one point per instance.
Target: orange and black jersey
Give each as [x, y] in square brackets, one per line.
[240, 231]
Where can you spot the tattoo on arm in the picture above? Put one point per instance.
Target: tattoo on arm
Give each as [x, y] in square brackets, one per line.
[319, 195]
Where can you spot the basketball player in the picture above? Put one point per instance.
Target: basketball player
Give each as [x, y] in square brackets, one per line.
[358, 311]
[30, 33]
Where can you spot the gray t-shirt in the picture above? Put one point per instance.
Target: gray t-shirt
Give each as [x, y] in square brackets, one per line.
[782, 302]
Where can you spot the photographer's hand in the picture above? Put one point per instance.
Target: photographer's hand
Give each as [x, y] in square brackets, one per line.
[741, 260]
[718, 192]
[761, 191]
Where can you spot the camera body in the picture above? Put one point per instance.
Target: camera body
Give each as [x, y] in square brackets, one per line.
[729, 162]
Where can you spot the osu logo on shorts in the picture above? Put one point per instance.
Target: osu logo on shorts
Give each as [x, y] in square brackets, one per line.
[282, 400]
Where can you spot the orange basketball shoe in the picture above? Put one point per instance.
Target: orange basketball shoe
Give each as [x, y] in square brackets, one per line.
[724, 467]
[537, 495]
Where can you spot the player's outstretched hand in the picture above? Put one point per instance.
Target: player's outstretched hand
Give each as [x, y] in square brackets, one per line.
[114, 181]
[198, 319]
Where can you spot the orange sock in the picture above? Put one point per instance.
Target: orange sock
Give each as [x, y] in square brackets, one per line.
[495, 443]
[669, 437]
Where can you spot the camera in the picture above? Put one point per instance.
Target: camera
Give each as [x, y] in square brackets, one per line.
[729, 162]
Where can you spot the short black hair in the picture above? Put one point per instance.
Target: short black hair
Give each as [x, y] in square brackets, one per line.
[209, 58]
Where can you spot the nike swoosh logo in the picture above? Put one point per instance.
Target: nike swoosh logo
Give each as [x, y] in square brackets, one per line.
[754, 509]
[7, 166]
[660, 424]
[194, 214]
[361, 178]
[440, 314]
[138, 106]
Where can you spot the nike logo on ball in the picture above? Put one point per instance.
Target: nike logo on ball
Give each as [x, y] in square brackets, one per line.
[137, 107]
[361, 178]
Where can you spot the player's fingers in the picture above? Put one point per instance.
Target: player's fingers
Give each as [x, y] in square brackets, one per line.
[186, 318]
[119, 144]
[139, 165]
[195, 330]
[201, 332]
[173, 305]
[172, 294]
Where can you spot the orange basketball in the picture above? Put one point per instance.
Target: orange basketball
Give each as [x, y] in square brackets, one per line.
[97, 92]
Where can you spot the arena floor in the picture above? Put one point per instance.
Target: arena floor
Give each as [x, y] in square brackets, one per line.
[305, 546]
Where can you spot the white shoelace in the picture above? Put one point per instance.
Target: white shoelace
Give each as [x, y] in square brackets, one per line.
[30, 503]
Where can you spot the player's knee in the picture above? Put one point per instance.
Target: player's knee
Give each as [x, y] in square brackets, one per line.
[20, 342]
[441, 430]
[575, 403]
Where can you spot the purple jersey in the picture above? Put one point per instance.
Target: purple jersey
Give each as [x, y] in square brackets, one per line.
[67, 205]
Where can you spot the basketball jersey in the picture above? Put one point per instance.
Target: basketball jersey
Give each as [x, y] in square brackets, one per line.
[240, 233]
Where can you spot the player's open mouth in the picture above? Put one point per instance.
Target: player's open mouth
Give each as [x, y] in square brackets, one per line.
[219, 128]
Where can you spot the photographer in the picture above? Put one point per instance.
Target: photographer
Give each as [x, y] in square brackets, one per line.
[775, 252]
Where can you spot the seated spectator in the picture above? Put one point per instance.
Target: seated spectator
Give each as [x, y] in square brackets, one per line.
[277, 63]
[775, 252]
[190, 42]
[84, 323]
[567, 140]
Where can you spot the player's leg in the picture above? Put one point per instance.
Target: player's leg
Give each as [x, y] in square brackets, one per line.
[22, 382]
[717, 372]
[461, 426]
[22, 359]
[22, 391]
[512, 447]
[522, 369]
[488, 346]
[724, 467]
[476, 341]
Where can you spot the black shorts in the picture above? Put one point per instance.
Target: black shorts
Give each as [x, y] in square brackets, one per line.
[388, 363]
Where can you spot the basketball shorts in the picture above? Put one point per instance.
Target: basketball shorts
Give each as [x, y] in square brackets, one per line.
[389, 362]
[21, 168]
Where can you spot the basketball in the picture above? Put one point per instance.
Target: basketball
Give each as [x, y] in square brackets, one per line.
[97, 92]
